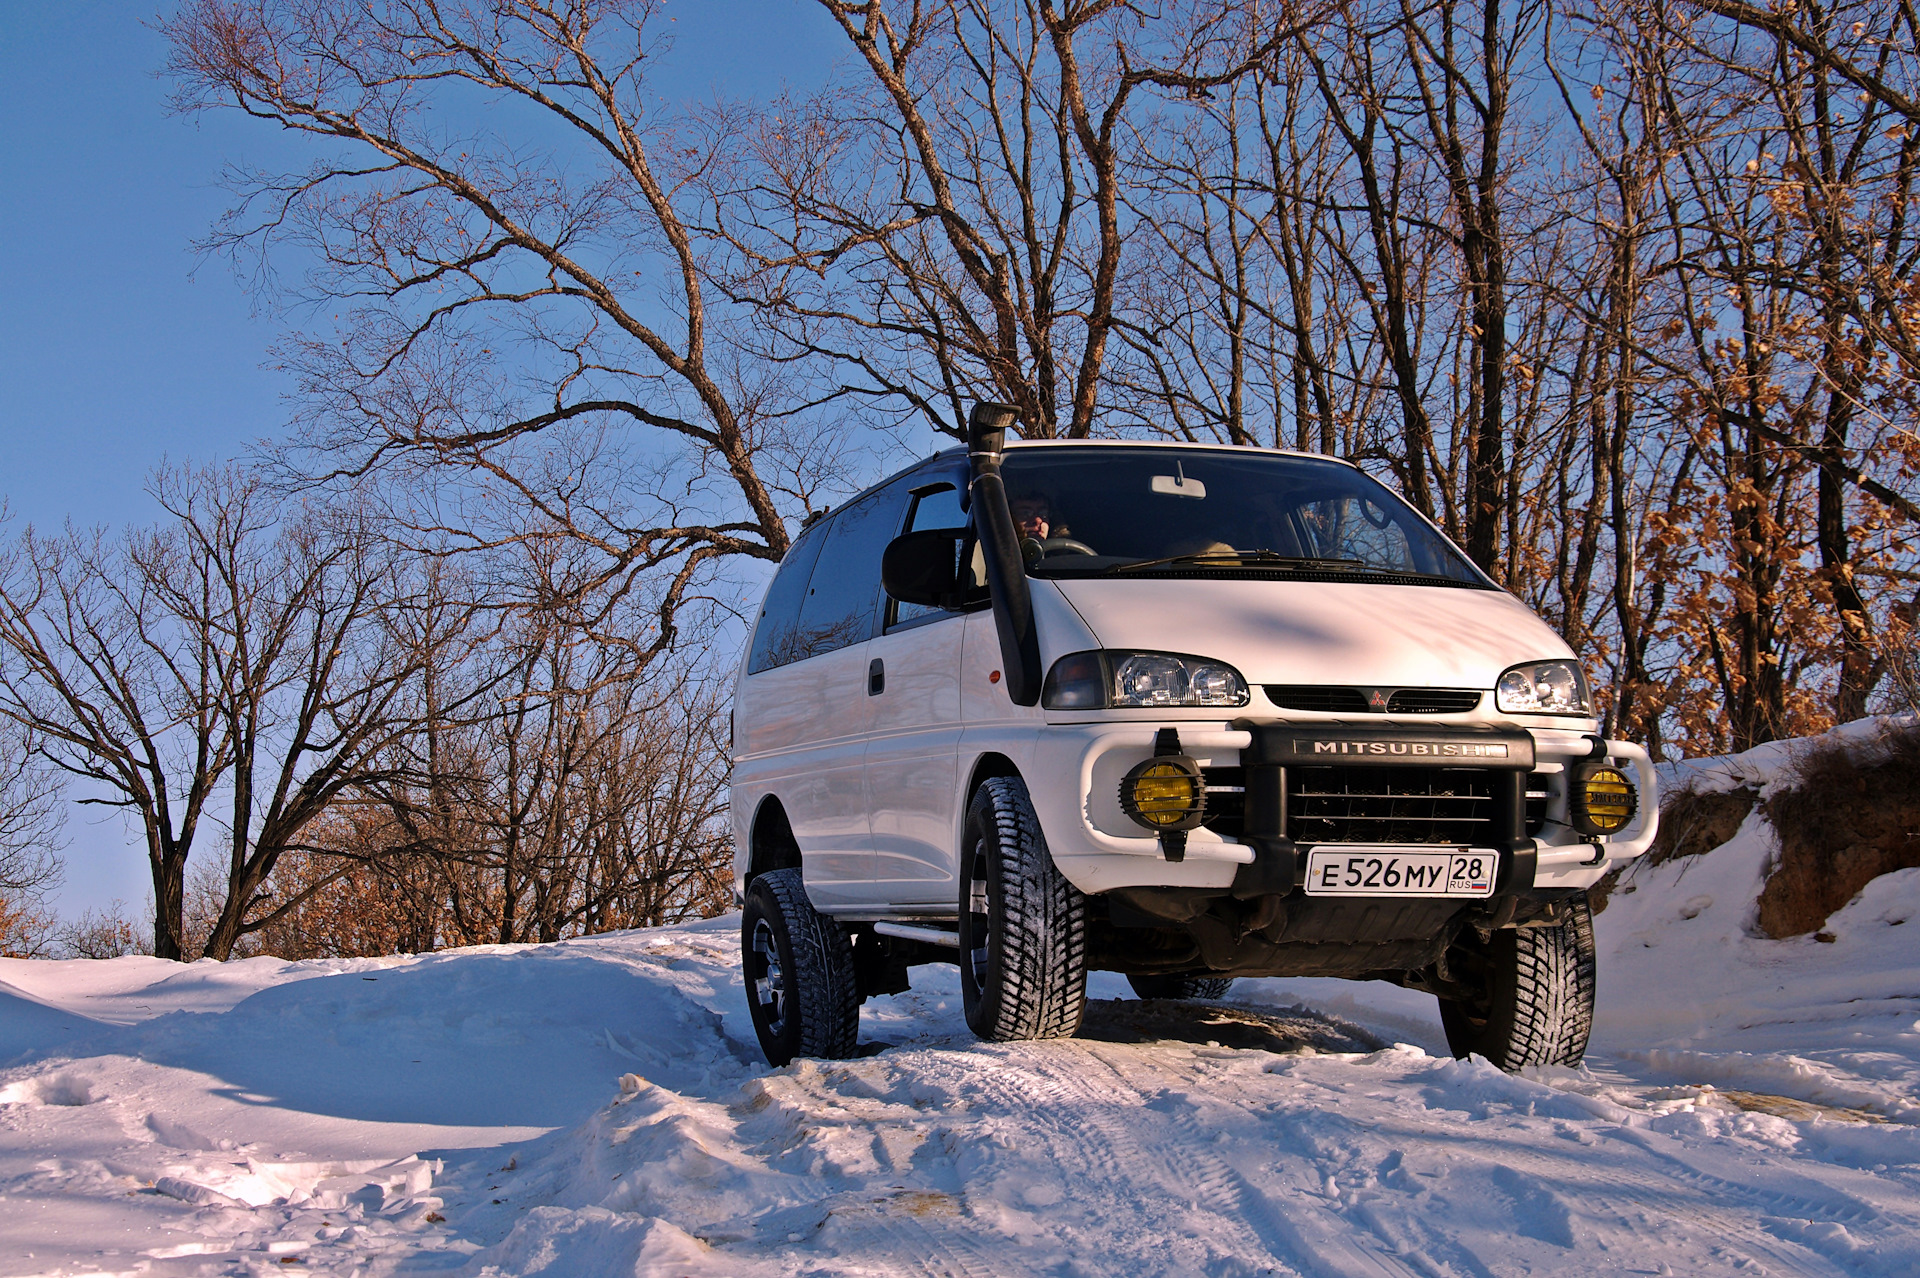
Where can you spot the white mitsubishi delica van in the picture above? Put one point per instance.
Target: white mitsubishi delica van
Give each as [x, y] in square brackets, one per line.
[1177, 711]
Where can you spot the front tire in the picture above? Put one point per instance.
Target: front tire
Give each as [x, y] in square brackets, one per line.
[1181, 987]
[1533, 993]
[798, 964]
[1023, 927]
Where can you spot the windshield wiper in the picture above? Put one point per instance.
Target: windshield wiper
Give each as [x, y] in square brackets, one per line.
[1234, 558]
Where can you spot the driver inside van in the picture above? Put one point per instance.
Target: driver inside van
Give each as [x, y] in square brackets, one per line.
[1041, 533]
[1032, 516]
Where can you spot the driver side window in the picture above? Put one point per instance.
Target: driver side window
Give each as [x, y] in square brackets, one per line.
[932, 508]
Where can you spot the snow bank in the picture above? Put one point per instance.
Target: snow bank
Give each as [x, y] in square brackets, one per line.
[29, 1026]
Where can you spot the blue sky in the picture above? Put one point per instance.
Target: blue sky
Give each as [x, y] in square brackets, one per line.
[119, 349]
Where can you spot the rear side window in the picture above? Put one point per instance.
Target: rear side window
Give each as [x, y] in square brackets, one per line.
[776, 640]
[845, 587]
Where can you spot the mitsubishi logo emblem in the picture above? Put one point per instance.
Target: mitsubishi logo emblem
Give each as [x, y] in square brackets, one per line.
[1377, 700]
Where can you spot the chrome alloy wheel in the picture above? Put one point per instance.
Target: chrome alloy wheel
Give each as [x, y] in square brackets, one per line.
[770, 988]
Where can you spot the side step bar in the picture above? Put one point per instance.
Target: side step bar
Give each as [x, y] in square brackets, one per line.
[925, 935]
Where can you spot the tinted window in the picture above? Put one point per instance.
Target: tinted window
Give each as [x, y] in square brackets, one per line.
[845, 587]
[776, 639]
[937, 509]
[1240, 512]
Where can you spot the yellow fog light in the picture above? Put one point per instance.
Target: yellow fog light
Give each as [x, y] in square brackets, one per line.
[1164, 793]
[1602, 800]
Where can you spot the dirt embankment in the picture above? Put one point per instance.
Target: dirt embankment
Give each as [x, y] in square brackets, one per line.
[1852, 814]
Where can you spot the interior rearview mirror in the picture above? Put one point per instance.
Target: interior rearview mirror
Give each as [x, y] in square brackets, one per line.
[923, 567]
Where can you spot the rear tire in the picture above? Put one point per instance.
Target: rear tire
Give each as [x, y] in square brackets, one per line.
[1535, 995]
[1182, 987]
[799, 969]
[1023, 927]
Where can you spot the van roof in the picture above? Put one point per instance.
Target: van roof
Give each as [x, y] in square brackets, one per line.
[959, 450]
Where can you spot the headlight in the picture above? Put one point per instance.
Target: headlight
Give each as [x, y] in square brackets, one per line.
[1543, 687]
[1106, 680]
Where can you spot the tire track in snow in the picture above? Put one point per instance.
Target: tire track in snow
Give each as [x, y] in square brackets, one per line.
[1644, 1214]
[1174, 1160]
[919, 1249]
[1338, 1178]
[1790, 1202]
[1090, 1118]
[1720, 1213]
[1083, 1118]
[1723, 1211]
[896, 1233]
[1641, 1212]
[1056, 1078]
[1728, 1214]
[1353, 1231]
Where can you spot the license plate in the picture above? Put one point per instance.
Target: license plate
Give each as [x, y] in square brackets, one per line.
[1361, 871]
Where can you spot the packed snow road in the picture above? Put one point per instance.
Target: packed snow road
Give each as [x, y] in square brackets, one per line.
[598, 1108]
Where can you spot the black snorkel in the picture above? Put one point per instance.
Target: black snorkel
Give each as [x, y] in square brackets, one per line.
[1000, 547]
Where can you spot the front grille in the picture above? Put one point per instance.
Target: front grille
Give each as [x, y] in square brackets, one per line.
[1433, 701]
[1322, 698]
[1390, 805]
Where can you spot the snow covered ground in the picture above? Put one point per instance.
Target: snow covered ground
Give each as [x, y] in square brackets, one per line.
[598, 1108]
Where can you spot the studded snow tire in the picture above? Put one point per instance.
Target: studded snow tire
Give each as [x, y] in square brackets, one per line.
[1181, 987]
[1023, 927]
[1534, 990]
[799, 969]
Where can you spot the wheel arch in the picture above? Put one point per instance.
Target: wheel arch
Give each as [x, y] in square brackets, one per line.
[985, 768]
[771, 844]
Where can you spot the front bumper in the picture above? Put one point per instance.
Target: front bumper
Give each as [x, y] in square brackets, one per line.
[1099, 848]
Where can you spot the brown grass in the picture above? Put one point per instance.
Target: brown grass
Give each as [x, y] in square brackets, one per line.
[1853, 815]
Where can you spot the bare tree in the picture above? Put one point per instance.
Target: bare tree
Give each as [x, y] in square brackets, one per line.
[30, 821]
[583, 808]
[116, 694]
[503, 229]
[103, 933]
[315, 682]
[1873, 48]
[955, 226]
[578, 793]
[242, 652]
[30, 818]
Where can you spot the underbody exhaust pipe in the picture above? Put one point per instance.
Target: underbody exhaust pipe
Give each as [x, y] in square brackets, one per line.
[1000, 547]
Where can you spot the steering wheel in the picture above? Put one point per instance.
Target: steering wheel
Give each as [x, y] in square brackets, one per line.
[1066, 545]
[1367, 508]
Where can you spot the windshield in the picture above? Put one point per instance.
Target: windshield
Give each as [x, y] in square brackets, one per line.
[1158, 511]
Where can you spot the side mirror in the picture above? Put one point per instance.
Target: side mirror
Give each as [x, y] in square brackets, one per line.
[923, 567]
